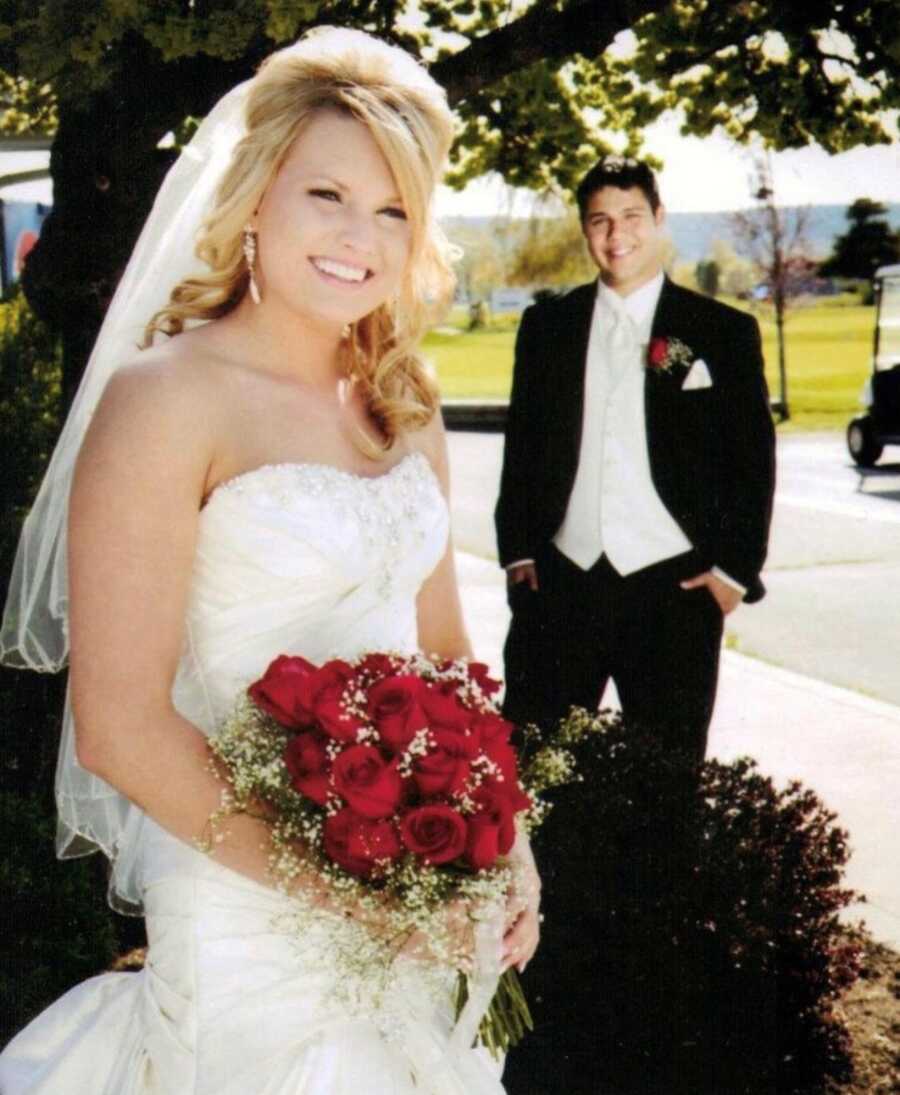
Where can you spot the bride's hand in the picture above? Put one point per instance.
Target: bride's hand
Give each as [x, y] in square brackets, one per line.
[456, 943]
[450, 942]
[523, 919]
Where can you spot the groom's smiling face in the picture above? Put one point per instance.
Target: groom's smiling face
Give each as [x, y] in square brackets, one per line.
[624, 236]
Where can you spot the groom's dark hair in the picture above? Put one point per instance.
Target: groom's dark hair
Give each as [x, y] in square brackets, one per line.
[619, 172]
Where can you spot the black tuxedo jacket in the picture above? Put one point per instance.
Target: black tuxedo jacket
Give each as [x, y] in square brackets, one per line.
[712, 450]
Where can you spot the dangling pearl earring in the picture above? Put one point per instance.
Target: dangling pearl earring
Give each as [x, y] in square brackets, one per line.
[250, 257]
[346, 331]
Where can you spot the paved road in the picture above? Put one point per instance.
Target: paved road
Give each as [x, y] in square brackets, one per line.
[833, 610]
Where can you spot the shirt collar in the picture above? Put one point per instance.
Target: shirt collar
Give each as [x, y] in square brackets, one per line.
[639, 305]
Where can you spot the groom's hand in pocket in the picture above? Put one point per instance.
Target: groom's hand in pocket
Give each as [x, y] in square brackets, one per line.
[520, 577]
[725, 595]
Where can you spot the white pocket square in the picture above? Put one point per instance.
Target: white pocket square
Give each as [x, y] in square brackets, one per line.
[698, 377]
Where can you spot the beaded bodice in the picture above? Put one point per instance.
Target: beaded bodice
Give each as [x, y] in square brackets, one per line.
[305, 559]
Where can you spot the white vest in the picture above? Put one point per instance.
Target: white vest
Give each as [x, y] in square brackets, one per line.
[614, 508]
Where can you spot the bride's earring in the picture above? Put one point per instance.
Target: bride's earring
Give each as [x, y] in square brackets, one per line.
[250, 257]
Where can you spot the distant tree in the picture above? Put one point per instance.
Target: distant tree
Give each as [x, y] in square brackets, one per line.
[775, 239]
[551, 253]
[668, 255]
[685, 274]
[737, 275]
[480, 267]
[708, 276]
[867, 244]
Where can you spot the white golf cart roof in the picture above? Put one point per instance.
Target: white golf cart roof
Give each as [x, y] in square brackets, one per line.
[888, 271]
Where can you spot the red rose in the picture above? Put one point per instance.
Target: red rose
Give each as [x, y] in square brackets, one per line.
[367, 782]
[491, 831]
[490, 729]
[395, 709]
[657, 352]
[436, 833]
[478, 672]
[504, 756]
[307, 761]
[322, 694]
[445, 768]
[357, 843]
[377, 665]
[278, 691]
[445, 712]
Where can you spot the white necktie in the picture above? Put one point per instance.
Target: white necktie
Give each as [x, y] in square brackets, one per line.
[622, 341]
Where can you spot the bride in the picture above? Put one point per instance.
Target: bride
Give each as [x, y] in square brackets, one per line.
[269, 478]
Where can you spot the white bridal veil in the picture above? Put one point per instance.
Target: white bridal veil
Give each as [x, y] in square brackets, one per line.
[34, 632]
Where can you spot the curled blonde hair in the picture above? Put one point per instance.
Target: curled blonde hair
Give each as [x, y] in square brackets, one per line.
[406, 113]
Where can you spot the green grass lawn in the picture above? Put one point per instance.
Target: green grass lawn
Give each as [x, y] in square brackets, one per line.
[829, 356]
[829, 346]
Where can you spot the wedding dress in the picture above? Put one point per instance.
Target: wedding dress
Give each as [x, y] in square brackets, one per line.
[238, 996]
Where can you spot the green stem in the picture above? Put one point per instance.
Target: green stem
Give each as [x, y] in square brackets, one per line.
[507, 1018]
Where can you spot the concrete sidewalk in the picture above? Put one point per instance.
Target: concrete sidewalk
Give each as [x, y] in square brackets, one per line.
[844, 746]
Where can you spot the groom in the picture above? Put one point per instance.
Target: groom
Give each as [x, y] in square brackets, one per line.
[637, 480]
[633, 517]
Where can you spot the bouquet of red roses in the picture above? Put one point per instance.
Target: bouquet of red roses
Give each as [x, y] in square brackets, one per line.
[393, 779]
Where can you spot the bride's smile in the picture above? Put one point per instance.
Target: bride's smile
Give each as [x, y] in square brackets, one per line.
[341, 272]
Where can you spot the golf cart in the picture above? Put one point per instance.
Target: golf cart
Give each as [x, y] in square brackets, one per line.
[869, 433]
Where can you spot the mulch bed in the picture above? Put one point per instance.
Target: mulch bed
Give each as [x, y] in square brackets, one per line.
[872, 1011]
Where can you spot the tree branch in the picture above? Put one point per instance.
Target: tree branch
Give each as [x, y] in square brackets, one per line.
[826, 56]
[543, 33]
[677, 62]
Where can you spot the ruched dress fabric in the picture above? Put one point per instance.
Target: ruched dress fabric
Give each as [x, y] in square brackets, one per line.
[241, 993]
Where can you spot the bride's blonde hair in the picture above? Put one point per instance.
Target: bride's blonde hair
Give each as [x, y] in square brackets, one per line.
[406, 113]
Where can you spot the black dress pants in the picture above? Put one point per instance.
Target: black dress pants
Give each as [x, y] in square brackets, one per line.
[658, 642]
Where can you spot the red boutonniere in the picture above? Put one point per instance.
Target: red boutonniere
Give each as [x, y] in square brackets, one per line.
[664, 354]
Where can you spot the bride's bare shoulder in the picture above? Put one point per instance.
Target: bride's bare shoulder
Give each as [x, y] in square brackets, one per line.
[181, 377]
[164, 412]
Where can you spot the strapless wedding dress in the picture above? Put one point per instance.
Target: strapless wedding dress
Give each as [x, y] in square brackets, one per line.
[237, 997]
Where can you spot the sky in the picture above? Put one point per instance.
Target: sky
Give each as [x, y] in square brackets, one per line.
[40, 191]
[712, 174]
[700, 175]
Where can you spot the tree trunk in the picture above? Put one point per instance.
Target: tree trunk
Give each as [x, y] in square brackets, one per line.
[780, 309]
[106, 168]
